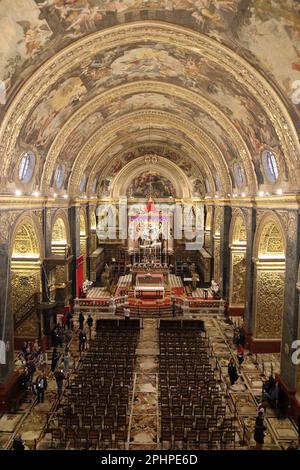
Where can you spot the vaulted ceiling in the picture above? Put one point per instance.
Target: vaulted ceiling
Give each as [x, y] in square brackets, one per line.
[91, 86]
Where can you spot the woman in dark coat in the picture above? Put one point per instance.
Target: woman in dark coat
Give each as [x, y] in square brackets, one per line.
[233, 375]
[259, 431]
[54, 361]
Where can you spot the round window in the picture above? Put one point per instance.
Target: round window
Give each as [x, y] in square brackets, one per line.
[59, 176]
[26, 167]
[238, 175]
[82, 183]
[270, 165]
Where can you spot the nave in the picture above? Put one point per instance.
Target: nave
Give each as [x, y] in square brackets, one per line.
[152, 384]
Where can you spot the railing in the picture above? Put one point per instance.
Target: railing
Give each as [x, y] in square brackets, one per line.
[186, 305]
[26, 310]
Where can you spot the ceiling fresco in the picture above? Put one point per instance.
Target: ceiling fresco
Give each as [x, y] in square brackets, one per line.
[209, 97]
[34, 30]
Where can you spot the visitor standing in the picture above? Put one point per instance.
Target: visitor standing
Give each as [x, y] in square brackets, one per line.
[41, 386]
[82, 340]
[259, 431]
[66, 359]
[54, 360]
[90, 326]
[232, 372]
[59, 377]
[81, 321]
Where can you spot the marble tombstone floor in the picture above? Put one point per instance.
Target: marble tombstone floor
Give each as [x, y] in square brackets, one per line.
[144, 420]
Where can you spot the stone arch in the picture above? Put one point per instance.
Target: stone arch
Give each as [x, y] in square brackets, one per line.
[163, 167]
[238, 262]
[269, 279]
[60, 233]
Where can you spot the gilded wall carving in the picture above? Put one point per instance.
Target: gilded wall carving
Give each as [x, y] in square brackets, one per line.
[269, 304]
[238, 279]
[8, 219]
[24, 284]
[61, 274]
[83, 251]
[217, 260]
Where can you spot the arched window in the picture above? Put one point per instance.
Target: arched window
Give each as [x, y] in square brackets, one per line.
[82, 183]
[270, 165]
[59, 176]
[238, 175]
[26, 167]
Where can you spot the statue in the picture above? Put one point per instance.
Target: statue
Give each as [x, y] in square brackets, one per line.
[86, 286]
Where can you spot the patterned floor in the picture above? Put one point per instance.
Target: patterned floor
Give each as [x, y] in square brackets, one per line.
[97, 293]
[242, 398]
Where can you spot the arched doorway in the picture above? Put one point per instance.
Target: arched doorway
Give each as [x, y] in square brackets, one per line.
[238, 245]
[25, 280]
[83, 241]
[269, 279]
[58, 273]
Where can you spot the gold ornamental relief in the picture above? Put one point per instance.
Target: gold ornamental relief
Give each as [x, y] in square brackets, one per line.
[217, 260]
[238, 280]
[269, 304]
[7, 220]
[23, 286]
[29, 327]
[60, 274]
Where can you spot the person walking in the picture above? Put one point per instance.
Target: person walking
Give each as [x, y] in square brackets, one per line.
[82, 340]
[90, 322]
[81, 320]
[18, 443]
[59, 377]
[259, 431]
[232, 372]
[54, 360]
[127, 313]
[41, 386]
[240, 354]
[66, 359]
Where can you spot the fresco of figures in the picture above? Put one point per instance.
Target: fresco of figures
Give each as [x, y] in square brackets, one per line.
[33, 29]
[153, 184]
[166, 63]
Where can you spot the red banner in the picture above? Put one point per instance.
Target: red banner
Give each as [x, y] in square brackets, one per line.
[79, 275]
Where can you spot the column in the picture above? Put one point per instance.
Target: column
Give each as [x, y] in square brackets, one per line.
[250, 216]
[225, 253]
[290, 372]
[6, 317]
[74, 221]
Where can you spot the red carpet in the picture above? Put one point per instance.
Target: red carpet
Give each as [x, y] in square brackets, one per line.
[178, 291]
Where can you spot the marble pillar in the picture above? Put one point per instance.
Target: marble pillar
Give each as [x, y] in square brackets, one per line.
[6, 317]
[291, 330]
[225, 252]
[74, 221]
[250, 217]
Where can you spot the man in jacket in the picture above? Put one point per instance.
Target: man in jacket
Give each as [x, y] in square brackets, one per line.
[41, 386]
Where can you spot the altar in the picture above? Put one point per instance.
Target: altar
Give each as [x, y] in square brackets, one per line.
[149, 283]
